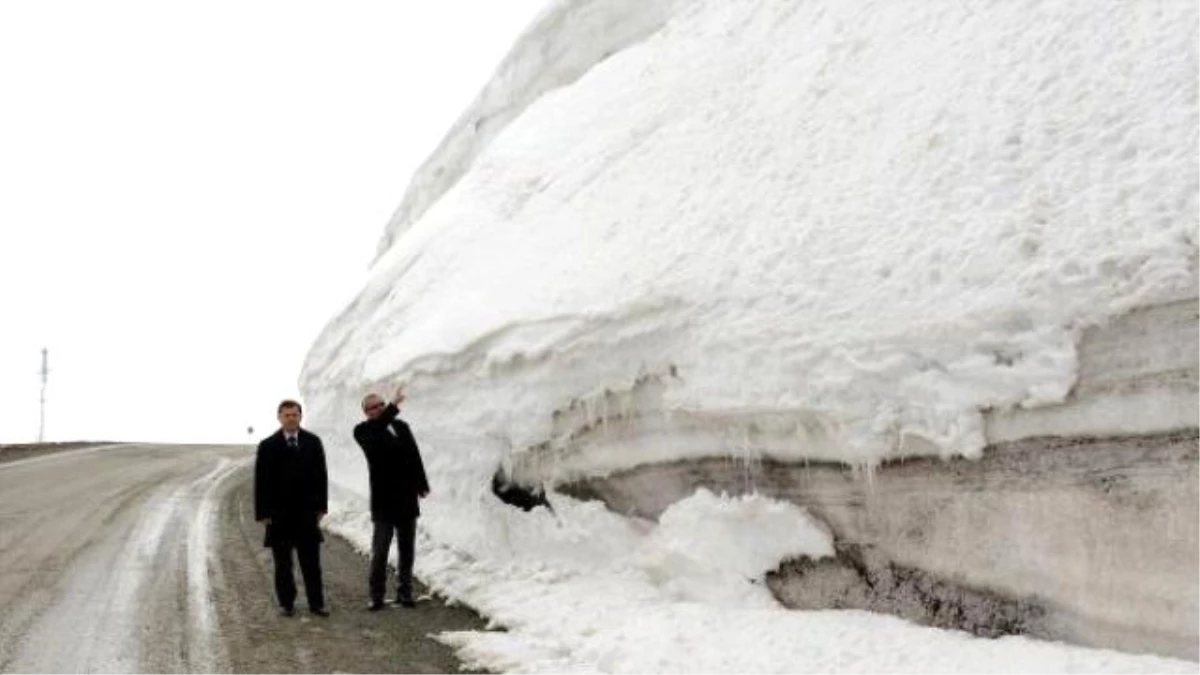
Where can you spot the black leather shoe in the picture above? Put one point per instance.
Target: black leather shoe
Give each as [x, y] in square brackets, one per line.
[375, 606]
[320, 611]
[406, 602]
[287, 611]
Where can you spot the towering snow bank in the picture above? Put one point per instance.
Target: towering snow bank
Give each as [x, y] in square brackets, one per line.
[855, 224]
[837, 230]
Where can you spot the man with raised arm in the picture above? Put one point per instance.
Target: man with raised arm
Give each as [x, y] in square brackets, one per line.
[398, 482]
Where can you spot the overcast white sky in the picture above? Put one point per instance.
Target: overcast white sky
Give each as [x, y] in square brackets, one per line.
[189, 191]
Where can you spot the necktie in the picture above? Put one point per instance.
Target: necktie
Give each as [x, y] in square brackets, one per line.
[292, 442]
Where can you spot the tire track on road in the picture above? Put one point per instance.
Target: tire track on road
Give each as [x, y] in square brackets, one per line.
[120, 576]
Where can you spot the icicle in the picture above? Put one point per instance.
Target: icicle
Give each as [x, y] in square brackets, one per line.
[741, 451]
[627, 405]
[867, 471]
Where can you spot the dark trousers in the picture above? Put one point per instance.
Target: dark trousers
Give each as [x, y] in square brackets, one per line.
[405, 530]
[309, 555]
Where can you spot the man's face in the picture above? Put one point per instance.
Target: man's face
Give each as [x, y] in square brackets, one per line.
[289, 419]
[373, 407]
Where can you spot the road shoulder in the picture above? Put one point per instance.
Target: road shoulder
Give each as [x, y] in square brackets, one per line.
[352, 639]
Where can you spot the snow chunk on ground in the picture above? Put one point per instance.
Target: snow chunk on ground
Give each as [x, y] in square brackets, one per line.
[707, 547]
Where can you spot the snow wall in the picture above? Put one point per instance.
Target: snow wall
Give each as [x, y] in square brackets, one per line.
[848, 233]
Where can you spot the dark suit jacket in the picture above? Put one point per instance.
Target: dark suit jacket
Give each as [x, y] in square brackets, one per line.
[291, 486]
[394, 462]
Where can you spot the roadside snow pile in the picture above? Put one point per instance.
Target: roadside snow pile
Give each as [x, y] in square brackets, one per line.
[832, 230]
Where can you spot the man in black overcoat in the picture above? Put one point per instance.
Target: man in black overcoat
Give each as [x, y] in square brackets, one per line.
[291, 496]
[398, 482]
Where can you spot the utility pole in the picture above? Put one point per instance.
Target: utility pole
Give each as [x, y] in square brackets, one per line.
[45, 374]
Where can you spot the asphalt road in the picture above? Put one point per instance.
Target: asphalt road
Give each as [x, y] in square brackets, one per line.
[145, 558]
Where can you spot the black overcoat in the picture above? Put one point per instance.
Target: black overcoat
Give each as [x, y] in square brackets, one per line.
[397, 474]
[291, 487]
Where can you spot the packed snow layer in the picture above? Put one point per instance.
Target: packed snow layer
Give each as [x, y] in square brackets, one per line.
[1097, 539]
[1138, 373]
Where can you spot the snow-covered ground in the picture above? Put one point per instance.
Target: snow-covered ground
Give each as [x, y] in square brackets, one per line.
[859, 225]
[585, 590]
